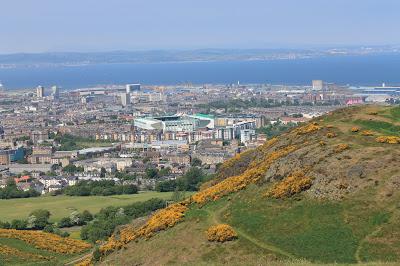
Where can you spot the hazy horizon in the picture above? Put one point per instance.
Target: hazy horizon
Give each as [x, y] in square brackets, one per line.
[123, 25]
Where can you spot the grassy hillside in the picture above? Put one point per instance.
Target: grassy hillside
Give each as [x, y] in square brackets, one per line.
[326, 192]
[62, 206]
[38, 248]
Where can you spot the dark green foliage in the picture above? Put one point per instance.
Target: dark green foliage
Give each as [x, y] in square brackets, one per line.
[49, 228]
[191, 181]
[96, 254]
[65, 222]
[109, 218]
[151, 173]
[99, 188]
[5, 225]
[71, 169]
[275, 129]
[165, 186]
[19, 224]
[196, 162]
[11, 191]
[69, 142]
[40, 218]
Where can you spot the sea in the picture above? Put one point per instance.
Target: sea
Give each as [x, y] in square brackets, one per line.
[368, 70]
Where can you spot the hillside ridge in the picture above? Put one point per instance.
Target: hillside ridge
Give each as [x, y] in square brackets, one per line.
[335, 180]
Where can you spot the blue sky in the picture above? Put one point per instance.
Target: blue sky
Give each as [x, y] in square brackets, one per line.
[103, 25]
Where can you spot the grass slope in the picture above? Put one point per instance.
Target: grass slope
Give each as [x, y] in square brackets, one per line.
[55, 258]
[350, 215]
[62, 206]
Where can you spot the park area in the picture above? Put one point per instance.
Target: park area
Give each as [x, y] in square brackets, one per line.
[62, 206]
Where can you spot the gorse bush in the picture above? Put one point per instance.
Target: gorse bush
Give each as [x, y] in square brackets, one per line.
[161, 220]
[293, 184]
[388, 139]
[46, 241]
[221, 233]
[25, 256]
[236, 183]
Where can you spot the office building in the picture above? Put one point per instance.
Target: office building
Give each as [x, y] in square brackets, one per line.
[9, 156]
[317, 84]
[40, 91]
[125, 99]
[132, 87]
[55, 92]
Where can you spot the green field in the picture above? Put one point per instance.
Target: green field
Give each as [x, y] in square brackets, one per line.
[62, 206]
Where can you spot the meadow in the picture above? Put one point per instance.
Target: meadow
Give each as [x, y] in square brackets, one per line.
[62, 206]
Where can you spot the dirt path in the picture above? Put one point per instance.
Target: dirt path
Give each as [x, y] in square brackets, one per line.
[77, 260]
[216, 218]
[357, 254]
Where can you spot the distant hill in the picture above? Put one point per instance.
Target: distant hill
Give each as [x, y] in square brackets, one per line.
[199, 55]
[325, 192]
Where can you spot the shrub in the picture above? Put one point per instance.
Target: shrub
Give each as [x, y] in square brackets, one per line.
[341, 147]
[255, 172]
[293, 184]
[330, 135]
[367, 133]
[38, 219]
[355, 129]
[46, 241]
[307, 129]
[388, 139]
[221, 233]
[109, 218]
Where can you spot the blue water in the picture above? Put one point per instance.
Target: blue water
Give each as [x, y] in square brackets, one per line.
[355, 70]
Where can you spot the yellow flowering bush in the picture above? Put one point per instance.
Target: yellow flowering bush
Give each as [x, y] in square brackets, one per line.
[388, 139]
[221, 233]
[341, 147]
[236, 183]
[292, 184]
[330, 135]
[161, 220]
[26, 256]
[355, 129]
[46, 241]
[307, 129]
[367, 133]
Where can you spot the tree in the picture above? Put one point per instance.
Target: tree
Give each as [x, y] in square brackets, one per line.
[166, 186]
[86, 216]
[193, 178]
[48, 228]
[196, 162]
[71, 169]
[19, 224]
[65, 222]
[5, 225]
[165, 171]
[130, 189]
[151, 173]
[39, 218]
[76, 218]
[103, 172]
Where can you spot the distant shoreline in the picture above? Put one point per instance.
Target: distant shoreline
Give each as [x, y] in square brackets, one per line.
[370, 70]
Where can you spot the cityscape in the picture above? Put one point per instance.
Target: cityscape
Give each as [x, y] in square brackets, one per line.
[132, 128]
[204, 133]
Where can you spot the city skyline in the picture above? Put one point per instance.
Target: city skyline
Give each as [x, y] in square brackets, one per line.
[92, 26]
